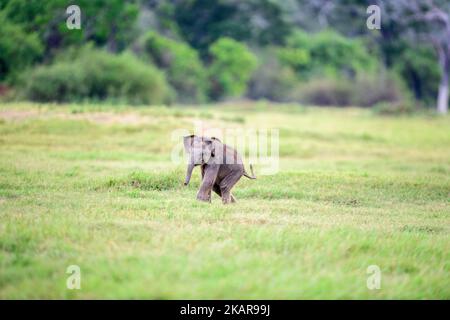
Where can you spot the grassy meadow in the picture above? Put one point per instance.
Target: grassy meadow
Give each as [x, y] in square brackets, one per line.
[93, 186]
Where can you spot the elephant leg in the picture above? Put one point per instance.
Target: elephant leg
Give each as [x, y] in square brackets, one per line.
[226, 185]
[209, 177]
[217, 190]
[226, 196]
[204, 193]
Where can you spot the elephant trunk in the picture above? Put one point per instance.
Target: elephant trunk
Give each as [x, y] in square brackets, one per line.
[189, 173]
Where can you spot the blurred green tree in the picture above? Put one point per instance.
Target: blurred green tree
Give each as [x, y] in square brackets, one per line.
[231, 68]
[417, 65]
[109, 23]
[260, 22]
[87, 73]
[428, 21]
[326, 53]
[183, 67]
[18, 49]
[272, 80]
[406, 25]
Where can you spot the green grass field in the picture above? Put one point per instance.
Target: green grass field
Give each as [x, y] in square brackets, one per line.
[94, 186]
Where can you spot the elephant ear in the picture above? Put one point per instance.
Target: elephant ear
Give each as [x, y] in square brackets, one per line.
[216, 147]
[188, 141]
[210, 145]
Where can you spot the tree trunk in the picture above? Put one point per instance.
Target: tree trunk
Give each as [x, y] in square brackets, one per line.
[442, 103]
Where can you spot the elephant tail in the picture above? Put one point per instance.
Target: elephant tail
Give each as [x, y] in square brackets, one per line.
[247, 175]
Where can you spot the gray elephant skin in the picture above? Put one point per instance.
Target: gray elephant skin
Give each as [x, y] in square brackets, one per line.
[221, 167]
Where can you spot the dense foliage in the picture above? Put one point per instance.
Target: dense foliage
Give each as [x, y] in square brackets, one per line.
[183, 67]
[17, 48]
[214, 50]
[327, 54]
[231, 68]
[97, 75]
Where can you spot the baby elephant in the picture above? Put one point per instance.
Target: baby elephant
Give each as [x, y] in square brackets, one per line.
[221, 167]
